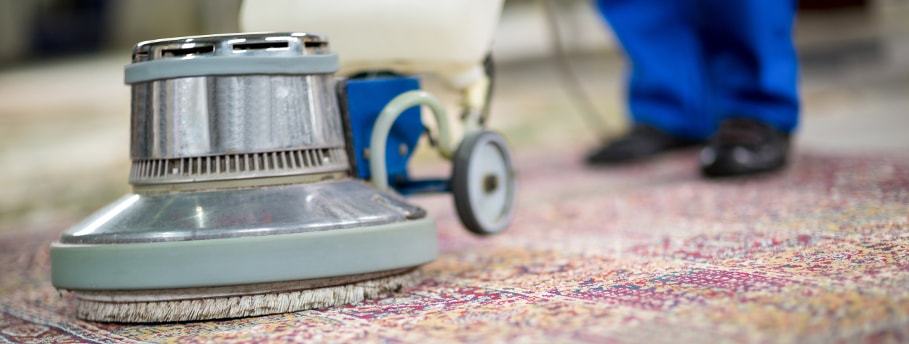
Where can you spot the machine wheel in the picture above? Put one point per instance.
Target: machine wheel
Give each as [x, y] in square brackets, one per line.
[483, 183]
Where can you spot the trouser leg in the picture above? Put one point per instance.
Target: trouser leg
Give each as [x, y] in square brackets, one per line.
[750, 59]
[666, 85]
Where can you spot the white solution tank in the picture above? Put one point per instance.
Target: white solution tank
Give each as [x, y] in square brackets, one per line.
[449, 38]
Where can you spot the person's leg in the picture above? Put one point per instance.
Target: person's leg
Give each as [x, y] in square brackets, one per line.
[666, 79]
[750, 59]
[752, 70]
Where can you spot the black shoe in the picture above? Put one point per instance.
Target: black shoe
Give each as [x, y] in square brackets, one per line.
[643, 141]
[743, 146]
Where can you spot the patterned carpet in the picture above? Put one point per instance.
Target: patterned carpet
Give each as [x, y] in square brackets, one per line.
[645, 253]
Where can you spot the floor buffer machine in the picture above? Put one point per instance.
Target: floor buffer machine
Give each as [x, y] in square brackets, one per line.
[264, 182]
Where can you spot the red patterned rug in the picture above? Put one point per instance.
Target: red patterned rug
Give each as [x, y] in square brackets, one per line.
[645, 253]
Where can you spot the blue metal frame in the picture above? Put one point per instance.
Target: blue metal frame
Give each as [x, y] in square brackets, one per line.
[365, 99]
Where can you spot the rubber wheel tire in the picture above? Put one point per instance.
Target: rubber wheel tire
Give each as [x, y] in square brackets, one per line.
[483, 183]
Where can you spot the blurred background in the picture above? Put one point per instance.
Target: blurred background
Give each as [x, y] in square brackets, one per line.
[64, 111]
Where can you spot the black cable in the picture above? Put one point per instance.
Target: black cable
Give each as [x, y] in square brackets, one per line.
[573, 84]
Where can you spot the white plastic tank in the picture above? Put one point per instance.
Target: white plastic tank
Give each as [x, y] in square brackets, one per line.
[449, 38]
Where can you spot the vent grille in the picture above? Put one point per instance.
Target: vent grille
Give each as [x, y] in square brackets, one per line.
[238, 166]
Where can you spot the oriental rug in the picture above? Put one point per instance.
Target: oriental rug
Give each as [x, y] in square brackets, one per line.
[643, 253]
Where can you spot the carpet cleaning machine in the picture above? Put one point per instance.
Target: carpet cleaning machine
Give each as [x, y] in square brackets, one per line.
[264, 183]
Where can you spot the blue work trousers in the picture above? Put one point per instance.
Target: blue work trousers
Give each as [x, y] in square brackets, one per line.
[694, 63]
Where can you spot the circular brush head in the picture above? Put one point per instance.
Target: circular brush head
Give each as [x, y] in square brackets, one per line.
[193, 304]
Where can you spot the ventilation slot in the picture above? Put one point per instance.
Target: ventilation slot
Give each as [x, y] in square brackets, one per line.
[181, 52]
[260, 46]
[238, 166]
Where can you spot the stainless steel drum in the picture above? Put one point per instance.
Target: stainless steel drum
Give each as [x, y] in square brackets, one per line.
[228, 107]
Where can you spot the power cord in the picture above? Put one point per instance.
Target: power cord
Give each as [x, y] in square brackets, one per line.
[575, 89]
